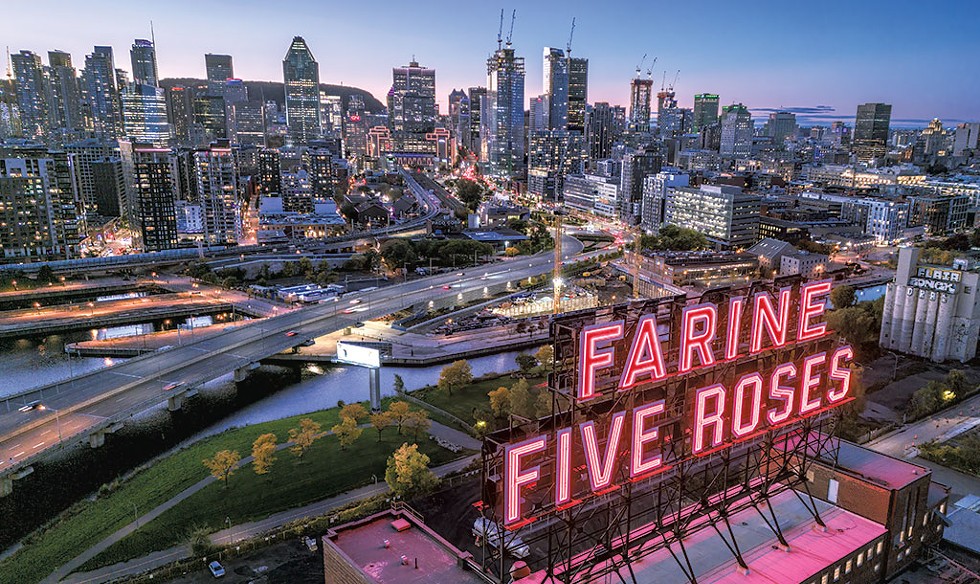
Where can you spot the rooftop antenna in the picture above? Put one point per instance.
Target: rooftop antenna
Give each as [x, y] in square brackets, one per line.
[500, 30]
[510, 34]
[570, 34]
[639, 66]
[153, 38]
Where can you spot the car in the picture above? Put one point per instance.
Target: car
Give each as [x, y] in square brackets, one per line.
[308, 343]
[356, 301]
[217, 570]
[461, 274]
[172, 386]
[358, 324]
[292, 334]
[30, 406]
[446, 287]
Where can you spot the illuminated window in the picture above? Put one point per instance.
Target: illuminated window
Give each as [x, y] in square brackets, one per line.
[881, 546]
[878, 567]
[847, 567]
[837, 573]
[824, 579]
[860, 559]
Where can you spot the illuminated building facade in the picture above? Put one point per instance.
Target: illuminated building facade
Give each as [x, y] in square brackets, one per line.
[502, 123]
[216, 171]
[736, 131]
[38, 220]
[145, 114]
[726, 215]
[705, 111]
[301, 78]
[870, 138]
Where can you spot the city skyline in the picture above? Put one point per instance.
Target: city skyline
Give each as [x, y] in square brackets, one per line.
[834, 63]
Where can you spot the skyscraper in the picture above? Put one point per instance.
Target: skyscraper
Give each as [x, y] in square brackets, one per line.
[145, 114]
[578, 92]
[871, 131]
[478, 98]
[779, 126]
[150, 195]
[301, 77]
[411, 105]
[641, 92]
[180, 112]
[101, 94]
[456, 110]
[64, 93]
[270, 172]
[600, 132]
[144, 59]
[31, 93]
[219, 69]
[705, 110]
[556, 88]
[736, 131]
[37, 222]
[503, 121]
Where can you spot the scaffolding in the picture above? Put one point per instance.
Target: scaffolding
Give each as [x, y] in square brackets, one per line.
[605, 534]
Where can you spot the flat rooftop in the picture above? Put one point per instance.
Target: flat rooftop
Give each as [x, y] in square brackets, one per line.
[881, 469]
[438, 561]
[811, 549]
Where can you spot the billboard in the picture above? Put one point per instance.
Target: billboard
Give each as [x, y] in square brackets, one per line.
[645, 394]
[352, 354]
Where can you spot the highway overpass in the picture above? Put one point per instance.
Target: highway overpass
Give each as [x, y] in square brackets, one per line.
[88, 406]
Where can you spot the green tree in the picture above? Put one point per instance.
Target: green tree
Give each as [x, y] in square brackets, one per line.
[470, 193]
[200, 537]
[223, 464]
[674, 238]
[455, 376]
[408, 472]
[956, 382]
[542, 404]
[304, 436]
[263, 453]
[398, 253]
[398, 384]
[526, 363]
[521, 400]
[347, 432]
[842, 296]
[545, 356]
[500, 401]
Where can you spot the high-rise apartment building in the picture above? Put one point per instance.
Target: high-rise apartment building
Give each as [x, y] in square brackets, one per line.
[600, 134]
[150, 173]
[84, 155]
[216, 171]
[705, 111]
[144, 58]
[655, 187]
[210, 115]
[870, 136]
[180, 112]
[31, 81]
[270, 172]
[780, 126]
[37, 208]
[101, 92]
[459, 114]
[736, 131]
[502, 130]
[64, 94]
[109, 186]
[301, 78]
[636, 167]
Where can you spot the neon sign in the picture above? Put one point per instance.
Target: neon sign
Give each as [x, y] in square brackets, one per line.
[571, 464]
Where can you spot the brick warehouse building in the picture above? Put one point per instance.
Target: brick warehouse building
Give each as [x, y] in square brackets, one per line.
[879, 513]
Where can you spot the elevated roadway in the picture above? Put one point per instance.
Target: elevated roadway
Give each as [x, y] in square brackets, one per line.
[88, 406]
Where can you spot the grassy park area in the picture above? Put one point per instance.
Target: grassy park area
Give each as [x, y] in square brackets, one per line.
[248, 496]
[473, 397]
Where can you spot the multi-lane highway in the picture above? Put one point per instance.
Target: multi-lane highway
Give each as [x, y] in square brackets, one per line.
[90, 402]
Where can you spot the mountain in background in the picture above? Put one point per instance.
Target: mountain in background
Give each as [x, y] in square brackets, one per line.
[273, 91]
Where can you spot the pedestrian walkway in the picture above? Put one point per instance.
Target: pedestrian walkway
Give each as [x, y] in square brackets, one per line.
[237, 532]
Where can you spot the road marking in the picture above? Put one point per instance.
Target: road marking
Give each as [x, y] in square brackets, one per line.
[19, 454]
[15, 446]
[38, 445]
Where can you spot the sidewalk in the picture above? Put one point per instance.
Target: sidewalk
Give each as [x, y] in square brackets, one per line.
[237, 532]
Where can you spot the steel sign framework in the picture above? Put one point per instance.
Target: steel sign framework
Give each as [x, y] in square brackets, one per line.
[592, 491]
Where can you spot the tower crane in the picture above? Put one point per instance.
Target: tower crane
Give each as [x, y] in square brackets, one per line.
[676, 75]
[510, 34]
[568, 47]
[500, 30]
[650, 68]
[639, 67]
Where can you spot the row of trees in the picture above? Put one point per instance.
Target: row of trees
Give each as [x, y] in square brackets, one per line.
[937, 395]
[674, 238]
[398, 253]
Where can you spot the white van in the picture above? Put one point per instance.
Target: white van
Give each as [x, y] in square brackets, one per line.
[483, 527]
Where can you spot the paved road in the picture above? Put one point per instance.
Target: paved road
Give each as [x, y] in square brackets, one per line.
[237, 532]
[116, 392]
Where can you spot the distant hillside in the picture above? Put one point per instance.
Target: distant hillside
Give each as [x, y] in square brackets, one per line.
[272, 90]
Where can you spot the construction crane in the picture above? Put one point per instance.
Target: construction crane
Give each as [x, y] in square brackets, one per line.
[500, 30]
[639, 67]
[650, 68]
[663, 81]
[556, 270]
[676, 75]
[510, 34]
[568, 47]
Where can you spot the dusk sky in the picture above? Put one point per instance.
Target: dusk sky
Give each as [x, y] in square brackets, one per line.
[920, 57]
